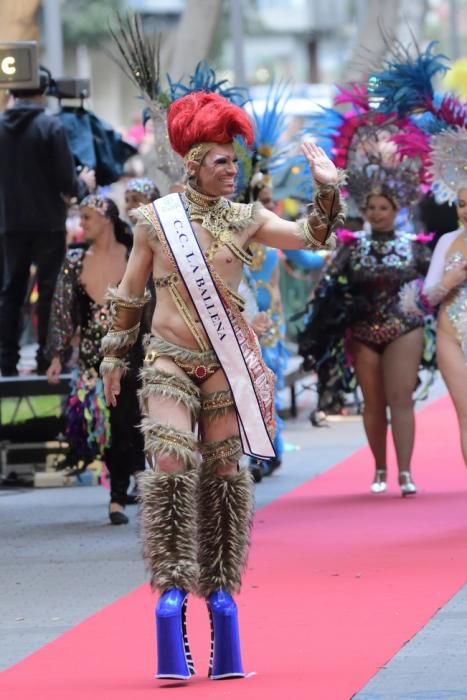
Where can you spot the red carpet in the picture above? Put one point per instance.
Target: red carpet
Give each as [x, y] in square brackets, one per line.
[338, 581]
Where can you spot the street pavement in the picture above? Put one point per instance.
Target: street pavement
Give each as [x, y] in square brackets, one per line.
[61, 561]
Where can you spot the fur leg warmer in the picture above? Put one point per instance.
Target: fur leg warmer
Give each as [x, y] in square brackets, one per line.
[168, 504]
[225, 518]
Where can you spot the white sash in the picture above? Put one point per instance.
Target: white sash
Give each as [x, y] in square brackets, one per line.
[201, 287]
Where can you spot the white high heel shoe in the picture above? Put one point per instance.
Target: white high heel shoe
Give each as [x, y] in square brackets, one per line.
[380, 483]
[406, 484]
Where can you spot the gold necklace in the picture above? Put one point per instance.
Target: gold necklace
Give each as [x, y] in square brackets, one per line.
[199, 201]
[220, 218]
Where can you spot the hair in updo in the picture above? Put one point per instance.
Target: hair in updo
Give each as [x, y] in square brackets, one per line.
[107, 207]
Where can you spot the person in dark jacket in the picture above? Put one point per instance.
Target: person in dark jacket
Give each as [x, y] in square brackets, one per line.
[37, 179]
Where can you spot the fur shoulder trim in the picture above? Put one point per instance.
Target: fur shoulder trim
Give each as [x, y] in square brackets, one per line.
[241, 216]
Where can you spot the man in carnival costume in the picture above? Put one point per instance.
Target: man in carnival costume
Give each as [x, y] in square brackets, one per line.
[207, 395]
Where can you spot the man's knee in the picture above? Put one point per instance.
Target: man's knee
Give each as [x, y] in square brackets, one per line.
[400, 399]
[221, 457]
[170, 450]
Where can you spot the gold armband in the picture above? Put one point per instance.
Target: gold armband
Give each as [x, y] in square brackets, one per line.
[125, 315]
[327, 213]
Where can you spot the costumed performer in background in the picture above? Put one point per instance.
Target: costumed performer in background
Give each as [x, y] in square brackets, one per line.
[139, 190]
[356, 324]
[264, 274]
[93, 430]
[446, 281]
[270, 154]
[406, 85]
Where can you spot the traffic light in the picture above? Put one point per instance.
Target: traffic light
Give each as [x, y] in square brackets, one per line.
[19, 68]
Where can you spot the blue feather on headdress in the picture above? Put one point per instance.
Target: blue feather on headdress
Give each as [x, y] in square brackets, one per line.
[405, 83]
[269, 124]
[244, 165]
[293, 179]
[427, 122]
[204, 79]
[324, 126]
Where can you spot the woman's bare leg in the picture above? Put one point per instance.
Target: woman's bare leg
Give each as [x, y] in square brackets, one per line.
[368, 368]
[454, 371]
[401, 361]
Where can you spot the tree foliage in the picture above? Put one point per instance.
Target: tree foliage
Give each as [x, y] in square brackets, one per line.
[87, 21]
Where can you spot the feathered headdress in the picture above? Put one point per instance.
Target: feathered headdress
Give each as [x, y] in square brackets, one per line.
[268, 125]
[448, 163]
[438, 123]
[139, 58]
[364, 143]
[204, 79]
[276, 162]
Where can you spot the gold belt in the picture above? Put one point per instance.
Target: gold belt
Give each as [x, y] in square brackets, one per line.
[200, 371]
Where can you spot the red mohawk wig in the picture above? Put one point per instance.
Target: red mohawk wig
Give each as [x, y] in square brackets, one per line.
[206, 117]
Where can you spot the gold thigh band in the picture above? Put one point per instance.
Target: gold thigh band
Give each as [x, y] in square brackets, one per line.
[217, 404]
[221, 452]
[156, 382]
[164, 441]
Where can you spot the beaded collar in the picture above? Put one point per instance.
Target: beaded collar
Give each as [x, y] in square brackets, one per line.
[201, 202]
[221, 218]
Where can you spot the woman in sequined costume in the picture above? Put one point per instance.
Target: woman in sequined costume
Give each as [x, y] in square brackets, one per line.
[446, 285]
[360, 294]
[94, 430]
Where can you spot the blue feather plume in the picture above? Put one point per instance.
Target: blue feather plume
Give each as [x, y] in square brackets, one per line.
[293, 179]
[204, 79]
[406, 83]
[324, 126]
[270, 123]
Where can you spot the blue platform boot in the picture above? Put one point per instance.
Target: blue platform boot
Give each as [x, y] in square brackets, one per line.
[226, 656]
[168, 521]
[174, 658]
[224, 517]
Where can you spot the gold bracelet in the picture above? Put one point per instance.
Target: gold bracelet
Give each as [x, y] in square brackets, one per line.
[109, 363]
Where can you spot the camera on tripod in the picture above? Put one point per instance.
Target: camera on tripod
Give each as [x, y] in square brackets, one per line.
[70, 88]
[20, 70]
[19, 65]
